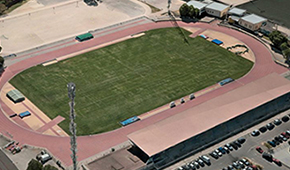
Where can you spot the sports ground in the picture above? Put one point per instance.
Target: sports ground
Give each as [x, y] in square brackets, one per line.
[128, 78]
[58, 145]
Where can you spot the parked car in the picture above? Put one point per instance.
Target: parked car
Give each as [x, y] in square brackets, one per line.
[282, 137]
[246, 162]
[218, 153]
[259, 149]
[255, 133]
[241, 140]
[277, 162]
[285, 118]
[270, 126]
[192, 166]
[230, 167]
[234, 146]
[278, 138]
[221, 149]
[200, 162]
[196, 164]
[277, 122]
[285, 135]
[236, 165]
[238, 144]
[271, 143]
[214, 155]
[263, 129]
[288, 132]
[241, 164]
[267, 156]
[276, 142]
[227, 150]
[229, 146]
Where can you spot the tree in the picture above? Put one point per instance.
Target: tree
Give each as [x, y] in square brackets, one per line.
[277, 38]
[34, 165]
[286, 54]
[184, 9]
[284, 46]
[1, 60]
[196, 12]
[49, 167]
[191, 11]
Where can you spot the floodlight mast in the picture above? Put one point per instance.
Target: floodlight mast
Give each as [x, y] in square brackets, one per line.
[72, 127]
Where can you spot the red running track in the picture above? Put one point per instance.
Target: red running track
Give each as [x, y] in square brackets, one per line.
[91, 145]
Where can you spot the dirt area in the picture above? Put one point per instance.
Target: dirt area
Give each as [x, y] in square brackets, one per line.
[68, 19]
[38, 121]
[192, 29]
[228, 41]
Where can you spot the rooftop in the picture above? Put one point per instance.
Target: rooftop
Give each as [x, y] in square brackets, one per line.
[254, 19]
[237, 11]
[217, 6]
[166, 133]
[197, 4]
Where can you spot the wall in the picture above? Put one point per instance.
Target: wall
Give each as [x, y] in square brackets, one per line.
[217, 13]
[213, 12]
[250, 26]
[220, 132]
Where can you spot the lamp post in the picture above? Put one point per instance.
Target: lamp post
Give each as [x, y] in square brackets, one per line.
[71, 87]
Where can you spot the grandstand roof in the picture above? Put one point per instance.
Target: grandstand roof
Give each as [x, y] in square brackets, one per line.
[175, 129]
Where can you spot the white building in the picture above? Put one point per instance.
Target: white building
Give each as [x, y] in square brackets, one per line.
[234, 14]
[237, 12]
[252, 22]
[217, 9]
[199, 5]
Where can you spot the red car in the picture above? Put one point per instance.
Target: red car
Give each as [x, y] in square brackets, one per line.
[285, 135]
[277, 162]
[259, 149]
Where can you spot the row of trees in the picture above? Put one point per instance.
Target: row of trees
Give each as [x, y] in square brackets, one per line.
[281, 42]
[35, 165]
[5, 4]
[188, 11]
[1, 61]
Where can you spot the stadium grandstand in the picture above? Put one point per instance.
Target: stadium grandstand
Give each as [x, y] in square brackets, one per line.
[210, 122]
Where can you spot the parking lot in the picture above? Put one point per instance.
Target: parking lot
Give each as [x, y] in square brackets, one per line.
[254, 149]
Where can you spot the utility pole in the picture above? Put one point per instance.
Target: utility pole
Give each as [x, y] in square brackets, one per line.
[71, 87]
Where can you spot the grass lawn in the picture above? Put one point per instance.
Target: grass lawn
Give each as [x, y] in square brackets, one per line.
[128, 78]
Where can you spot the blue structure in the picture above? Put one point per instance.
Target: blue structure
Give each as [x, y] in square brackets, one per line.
[129, 121]
[226, 81]
[24, 114]
[216, 41]
[203, 36]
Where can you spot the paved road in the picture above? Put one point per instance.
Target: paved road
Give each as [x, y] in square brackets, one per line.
[90, 145]
[5, 162]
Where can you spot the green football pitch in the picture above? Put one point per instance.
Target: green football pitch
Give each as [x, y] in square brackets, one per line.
[128, 78]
